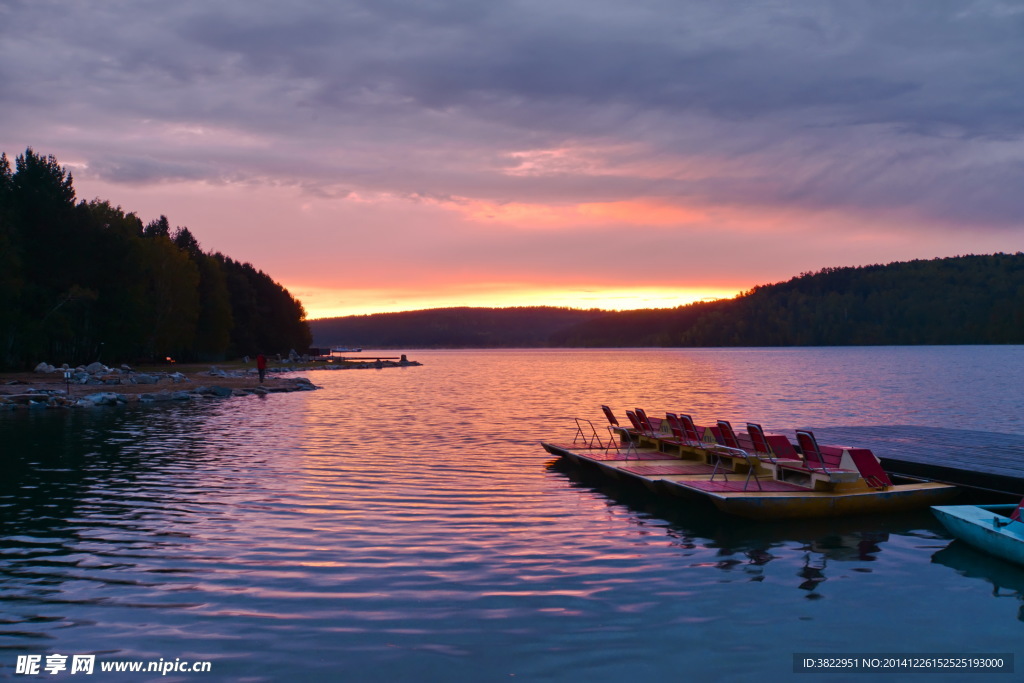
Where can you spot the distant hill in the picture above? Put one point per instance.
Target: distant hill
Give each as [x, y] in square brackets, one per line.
[959, 300]
[451, 328]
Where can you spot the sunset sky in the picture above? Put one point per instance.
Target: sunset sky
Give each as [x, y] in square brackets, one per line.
[404, 154]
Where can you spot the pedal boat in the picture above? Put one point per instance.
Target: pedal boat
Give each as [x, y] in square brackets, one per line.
[766, 481]
[994, 529]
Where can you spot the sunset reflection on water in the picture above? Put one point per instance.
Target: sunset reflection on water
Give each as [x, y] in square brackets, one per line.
[404, 524]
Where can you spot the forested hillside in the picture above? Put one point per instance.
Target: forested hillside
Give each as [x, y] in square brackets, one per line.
[961, 300]
[87, 281]
[450, 327]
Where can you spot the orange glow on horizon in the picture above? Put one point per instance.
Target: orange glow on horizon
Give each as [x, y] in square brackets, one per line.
[330, 303]
[590, 214]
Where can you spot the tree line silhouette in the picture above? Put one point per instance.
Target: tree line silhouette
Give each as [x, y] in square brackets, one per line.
[450, 328]
[85, 281]
[958, 300]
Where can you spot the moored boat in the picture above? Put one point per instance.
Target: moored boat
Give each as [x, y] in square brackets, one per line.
[751, 474]
[995, 529]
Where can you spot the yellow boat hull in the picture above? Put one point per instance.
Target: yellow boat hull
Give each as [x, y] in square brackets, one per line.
[844, 500]
[786, 505]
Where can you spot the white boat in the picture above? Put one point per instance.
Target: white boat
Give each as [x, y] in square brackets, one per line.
[994, 529]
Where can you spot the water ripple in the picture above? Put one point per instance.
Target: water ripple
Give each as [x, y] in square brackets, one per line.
[404, 525]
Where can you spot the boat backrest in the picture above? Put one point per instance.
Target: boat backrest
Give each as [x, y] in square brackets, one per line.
[758, 438]
[869, 467]
[645, 421]
[728, 435]
[1016, 514]
[809, 446]
[689, 429]
[610, 415]
[673, 424]
[633, 420]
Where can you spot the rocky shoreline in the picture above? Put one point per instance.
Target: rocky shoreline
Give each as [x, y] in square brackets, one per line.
[99, 385]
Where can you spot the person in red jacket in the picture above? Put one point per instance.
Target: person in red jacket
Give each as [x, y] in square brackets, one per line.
[261, 365]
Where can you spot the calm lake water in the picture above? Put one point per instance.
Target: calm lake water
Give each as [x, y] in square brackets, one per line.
[405, 525]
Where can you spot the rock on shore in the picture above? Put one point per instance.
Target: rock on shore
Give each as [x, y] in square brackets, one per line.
[51, 386]
[98, 373]
[60, 386]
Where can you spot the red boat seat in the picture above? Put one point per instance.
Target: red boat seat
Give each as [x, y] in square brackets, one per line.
[869, 468]
[624, 433]
[649, 426]
[809, 446]
[1015, 516]
[757, 438]
[635, 421]
[776, 449]
[690, 429]
[677, 438]
[724, 435]
[610, 415]
[727, 435]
